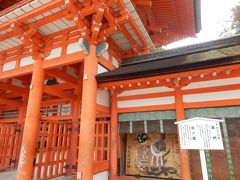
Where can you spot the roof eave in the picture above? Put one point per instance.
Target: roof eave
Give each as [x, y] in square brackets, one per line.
[13, 7]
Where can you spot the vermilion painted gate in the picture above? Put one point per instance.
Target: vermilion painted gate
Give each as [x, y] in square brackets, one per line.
[52, 150]
[9, 145]
[102, 146]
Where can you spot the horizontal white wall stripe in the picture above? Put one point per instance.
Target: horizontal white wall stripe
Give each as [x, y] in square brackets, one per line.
[224, 95]
[212, 83]
[145, 91]
[146, 102]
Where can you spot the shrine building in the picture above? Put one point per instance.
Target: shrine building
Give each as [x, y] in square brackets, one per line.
[87, 92]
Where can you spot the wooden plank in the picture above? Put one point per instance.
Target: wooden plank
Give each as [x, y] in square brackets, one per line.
[109, 140]
[41, 150]
[102, 140]
[48, 149]
[52, 156]
[96, 142]
[58, 149]
[10, 146]
[16, 143]
[5, 148]
[63, 147]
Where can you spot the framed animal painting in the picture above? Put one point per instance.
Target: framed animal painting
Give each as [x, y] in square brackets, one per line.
[153, 155]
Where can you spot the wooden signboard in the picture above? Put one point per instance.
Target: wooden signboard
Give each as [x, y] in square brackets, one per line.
[157, 157]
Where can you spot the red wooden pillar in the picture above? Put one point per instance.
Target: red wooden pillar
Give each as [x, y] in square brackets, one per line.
[114, 138]
[21, 118]
[31, 126]
[180, 115]
[88, 117]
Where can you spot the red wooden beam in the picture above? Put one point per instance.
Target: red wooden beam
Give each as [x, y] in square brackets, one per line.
[10, 87]
[63, 76]
[62, 94]
[11, 103]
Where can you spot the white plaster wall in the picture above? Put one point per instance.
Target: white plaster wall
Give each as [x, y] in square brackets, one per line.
[106, 55]
[9, 66]
[213, 83]
[115, 62]
[26, 61]
[54, 53]
[234, 94]
[101, 176]
[145, 91]
[103, 97]
[101, 69]
[74, 47]
[146, 102]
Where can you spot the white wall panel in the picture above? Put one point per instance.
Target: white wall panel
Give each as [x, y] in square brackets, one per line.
[115, 62]
[9, 66]
[103, 98]
[212, 83]
[106, 55]
[146, 102]
[145, 91]
[101, 69]
[54, 53]
[26, 61]
[235, 94]
[101, 176]
[74, 47]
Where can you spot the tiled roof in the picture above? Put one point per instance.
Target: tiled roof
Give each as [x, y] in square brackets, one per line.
[199, 56]
[206, 46]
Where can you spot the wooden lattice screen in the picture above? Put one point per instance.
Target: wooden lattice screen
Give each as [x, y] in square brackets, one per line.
[52, 150]
[102, 141]
[9, 145]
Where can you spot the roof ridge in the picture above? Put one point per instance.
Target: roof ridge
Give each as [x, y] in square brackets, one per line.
[185, 50]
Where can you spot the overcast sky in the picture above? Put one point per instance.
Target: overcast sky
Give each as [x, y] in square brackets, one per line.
[215, 14]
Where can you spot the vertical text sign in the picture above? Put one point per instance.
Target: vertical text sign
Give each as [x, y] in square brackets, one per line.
[200, 133]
